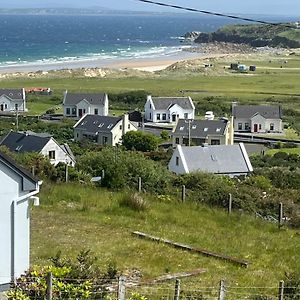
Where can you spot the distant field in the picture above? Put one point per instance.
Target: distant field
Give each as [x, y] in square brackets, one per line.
[286, 150]
[73, 217]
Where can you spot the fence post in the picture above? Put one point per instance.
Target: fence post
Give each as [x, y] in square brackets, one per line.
[222, 290]
[183, 193]
[140, 185]
[67, 173]
[281, 289]
[122, 288]
[177, 289]
[280, 215]
[49, 286]
[33, 170]
[230, 203]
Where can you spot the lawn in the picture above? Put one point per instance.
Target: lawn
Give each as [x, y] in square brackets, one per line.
[73, 217]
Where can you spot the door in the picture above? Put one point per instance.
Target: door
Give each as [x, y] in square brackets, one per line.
[255, 127]
[1, 107]
[80, 112]
[173, 118]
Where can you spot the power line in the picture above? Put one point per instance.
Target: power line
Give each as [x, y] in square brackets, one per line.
[214, 13]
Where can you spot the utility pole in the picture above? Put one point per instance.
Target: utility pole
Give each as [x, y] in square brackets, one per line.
[17, 118]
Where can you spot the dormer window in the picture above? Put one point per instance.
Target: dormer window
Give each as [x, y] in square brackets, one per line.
[205, 129]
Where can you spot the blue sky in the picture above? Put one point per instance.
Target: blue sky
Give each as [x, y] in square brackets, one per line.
[283, 7]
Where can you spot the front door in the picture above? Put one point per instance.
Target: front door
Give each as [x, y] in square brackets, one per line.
[255, 127]
[173, 118]
[80, 112]
[1, 107]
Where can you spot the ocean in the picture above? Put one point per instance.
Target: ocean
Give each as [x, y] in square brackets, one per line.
[46, 39]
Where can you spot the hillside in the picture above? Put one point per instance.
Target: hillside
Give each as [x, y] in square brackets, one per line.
[254, 35]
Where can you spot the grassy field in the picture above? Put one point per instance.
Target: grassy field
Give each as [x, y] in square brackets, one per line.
[72, 217]
[286, 150]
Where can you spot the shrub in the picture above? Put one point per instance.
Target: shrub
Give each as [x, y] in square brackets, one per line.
[140, 141]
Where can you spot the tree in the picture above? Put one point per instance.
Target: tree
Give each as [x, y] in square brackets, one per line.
[140, 141]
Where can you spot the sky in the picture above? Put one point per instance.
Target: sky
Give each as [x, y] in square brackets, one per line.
[278, 7]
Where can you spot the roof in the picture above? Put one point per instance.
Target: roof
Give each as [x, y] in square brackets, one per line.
[163, 103]
[29, 181]
[219, 159]
[96, 123]
[25, 141]
[16, 94]
[75, 98]
[200, 128]
[248, 111]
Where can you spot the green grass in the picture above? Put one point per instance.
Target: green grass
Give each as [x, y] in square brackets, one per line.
[286, 150]
[73, 217]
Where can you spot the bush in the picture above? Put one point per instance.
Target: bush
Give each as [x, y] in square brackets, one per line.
[140, 141]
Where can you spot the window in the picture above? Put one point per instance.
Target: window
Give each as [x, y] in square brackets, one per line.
[215, 142]
[104, 140]
[96, 111]
[16, 106]
[164, 117]
[120, 127]
[186, 115]
[5, 106]
[177, 141]
[240, 126]
[158, 117]
[150, 106]
[259, 126]
[52, 154]
[150, 116]
[177, 161]
[68, 110]
[128, 126]
[74, 111]
[247, 126]
[272, 126]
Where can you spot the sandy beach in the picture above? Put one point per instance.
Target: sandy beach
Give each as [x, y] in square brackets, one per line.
[150, 64]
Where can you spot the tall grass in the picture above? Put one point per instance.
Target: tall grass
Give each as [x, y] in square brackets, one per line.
[73, 217]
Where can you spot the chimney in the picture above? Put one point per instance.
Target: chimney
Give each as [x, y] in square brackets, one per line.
[233, 104]
[125, 123]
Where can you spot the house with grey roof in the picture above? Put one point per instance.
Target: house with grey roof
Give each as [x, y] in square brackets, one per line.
[42, 143]
[102, 130]
[257, 118]
[199, 132]
[79, 104]
[12, 100]
[168, 109]
[230, 160]
[18, 188]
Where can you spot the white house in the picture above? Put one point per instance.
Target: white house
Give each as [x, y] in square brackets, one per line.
[18, 187]
[41, 143]
[168, 109]
[103, 130]
[79, 104]
[257, 118]
[199, 132]
[12, 100]
[230, 160]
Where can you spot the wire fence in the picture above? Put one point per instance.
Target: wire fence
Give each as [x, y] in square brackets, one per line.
[122, 288]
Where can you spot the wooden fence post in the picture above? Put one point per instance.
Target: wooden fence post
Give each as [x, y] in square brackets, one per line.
[230, 203]
[102, 174]
[122, 288]
[177, 290]
[280, 215]
[49, 286]
[33, 170]
[67, 173]
[222, 290]
[183, 193]
[140, 185]
[281, 289]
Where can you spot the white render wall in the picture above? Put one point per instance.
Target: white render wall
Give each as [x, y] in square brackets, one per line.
[9, 192]
[181, 168]
[60, 155]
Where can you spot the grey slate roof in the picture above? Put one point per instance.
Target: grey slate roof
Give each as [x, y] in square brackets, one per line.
[24, 142]
[248, 111]
[74, 98]
[96, 123]
[163, 103]
[16, 94]
[200, 128]
[220, 159]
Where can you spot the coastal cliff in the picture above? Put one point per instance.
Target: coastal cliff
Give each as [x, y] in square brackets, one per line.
[254, 35]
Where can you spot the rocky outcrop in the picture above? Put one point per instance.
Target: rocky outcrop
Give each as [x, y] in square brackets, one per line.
[192, 35]
[253, 35]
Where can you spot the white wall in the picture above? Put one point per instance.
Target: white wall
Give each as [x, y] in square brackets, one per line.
[181, 168]
[10, 190]
[60, 155]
